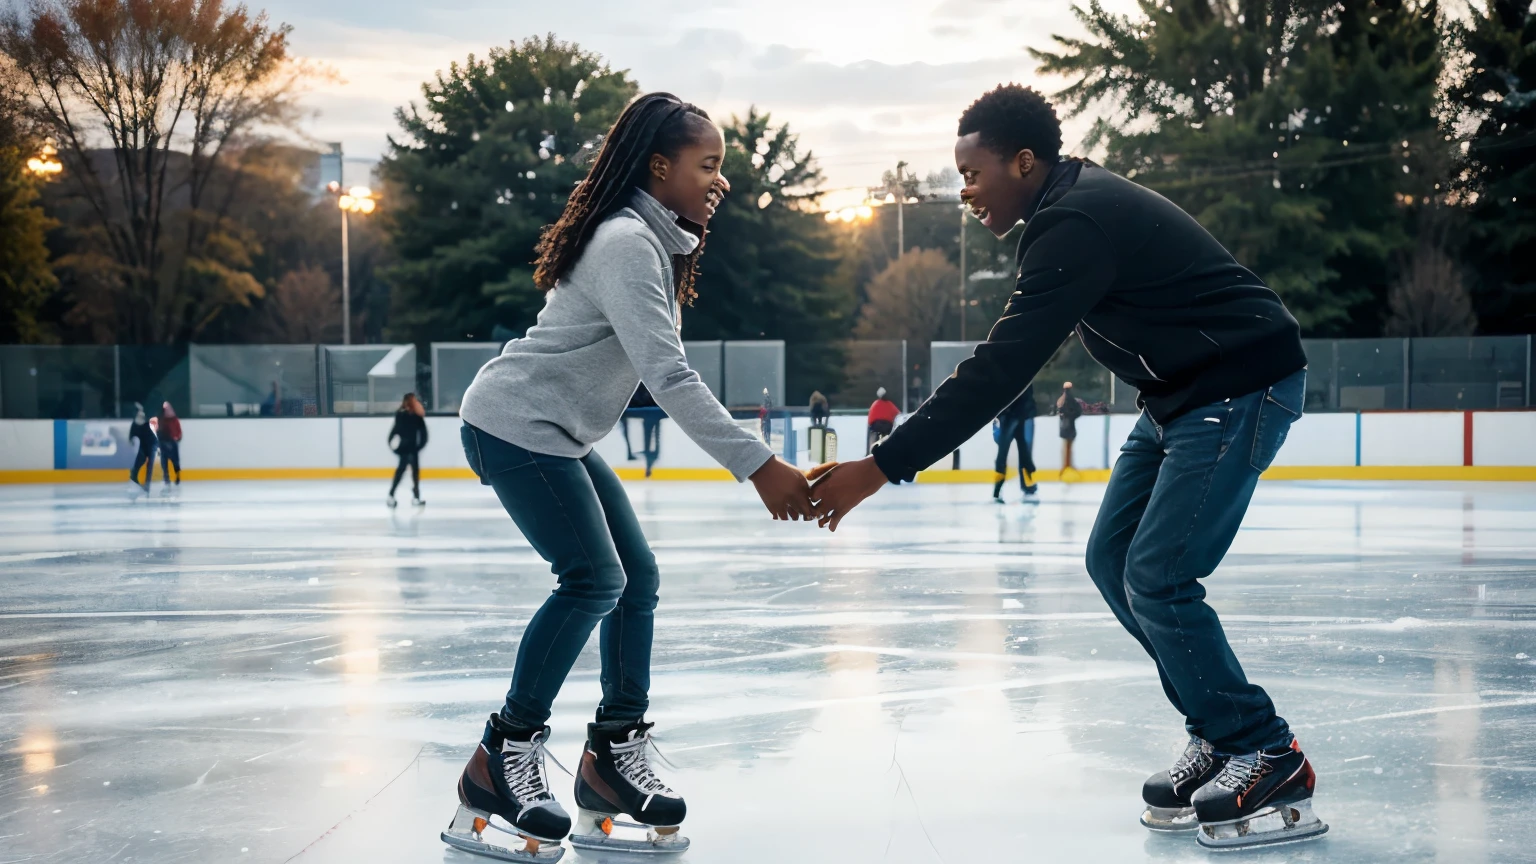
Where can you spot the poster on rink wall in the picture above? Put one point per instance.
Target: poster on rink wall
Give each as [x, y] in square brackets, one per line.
[99, 444]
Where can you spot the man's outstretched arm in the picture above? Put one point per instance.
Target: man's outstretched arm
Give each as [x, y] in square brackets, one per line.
[1063, 275]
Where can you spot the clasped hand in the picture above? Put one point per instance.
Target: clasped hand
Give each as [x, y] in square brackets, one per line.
[827, 491]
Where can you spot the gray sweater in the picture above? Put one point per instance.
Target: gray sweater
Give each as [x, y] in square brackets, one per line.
[611, 322]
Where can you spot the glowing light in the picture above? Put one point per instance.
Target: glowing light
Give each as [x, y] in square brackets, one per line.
[44, 164]
[865, 211]
[890, 197]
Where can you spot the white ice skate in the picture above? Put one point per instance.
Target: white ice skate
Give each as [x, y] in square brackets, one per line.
[599, 832]
[467, 832]
[1271, 826]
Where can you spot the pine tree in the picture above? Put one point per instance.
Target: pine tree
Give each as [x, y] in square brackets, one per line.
[1496, 97]
[771, 266]
[1291, 131]
[485, 161]
[769, 260]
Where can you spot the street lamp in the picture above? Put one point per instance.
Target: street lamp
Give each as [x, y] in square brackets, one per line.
[45, 164]
[358, 199]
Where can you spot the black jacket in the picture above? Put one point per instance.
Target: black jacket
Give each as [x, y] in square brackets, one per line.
[412, 431]
[1150, 293]
[1022, 408]
[146, 436]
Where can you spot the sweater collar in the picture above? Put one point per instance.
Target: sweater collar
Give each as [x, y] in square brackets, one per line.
[664, 223]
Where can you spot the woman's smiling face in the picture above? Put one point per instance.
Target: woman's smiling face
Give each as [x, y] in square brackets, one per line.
[691, 184]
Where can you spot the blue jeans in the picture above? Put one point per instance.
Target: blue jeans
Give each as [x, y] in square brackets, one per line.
[576, 515]
[1175, 500]
[1021, 432]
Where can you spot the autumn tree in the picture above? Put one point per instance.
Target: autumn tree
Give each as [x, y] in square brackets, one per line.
[149, 99]
[26, 280]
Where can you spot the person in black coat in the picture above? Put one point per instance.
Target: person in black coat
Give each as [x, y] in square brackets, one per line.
[411, 430]
[1017, 424]
[147, 442]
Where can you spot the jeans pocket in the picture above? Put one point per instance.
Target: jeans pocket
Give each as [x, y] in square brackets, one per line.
[1269, 432]
[472, 452]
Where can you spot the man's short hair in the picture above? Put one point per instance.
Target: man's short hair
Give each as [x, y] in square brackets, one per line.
[1011, 118]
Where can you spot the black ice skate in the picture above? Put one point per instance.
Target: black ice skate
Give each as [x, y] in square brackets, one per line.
[616, 778]
[505, 778]
[997, 488]
[1259, 799]
[1027, 480]
[1167, 793]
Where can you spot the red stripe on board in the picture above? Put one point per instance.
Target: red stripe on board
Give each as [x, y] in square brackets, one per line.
[1466, 438]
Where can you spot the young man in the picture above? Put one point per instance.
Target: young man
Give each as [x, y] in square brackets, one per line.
[1220, 369]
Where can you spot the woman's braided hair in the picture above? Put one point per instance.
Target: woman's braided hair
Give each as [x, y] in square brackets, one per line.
[654, 123]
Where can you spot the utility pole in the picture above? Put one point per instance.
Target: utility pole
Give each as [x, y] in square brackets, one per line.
[346, 259]
[901, 204]
[963, 215]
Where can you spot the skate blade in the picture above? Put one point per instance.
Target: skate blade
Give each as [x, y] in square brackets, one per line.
[466, 833]
[1172, 820]
[635, 839]
[1272, 826]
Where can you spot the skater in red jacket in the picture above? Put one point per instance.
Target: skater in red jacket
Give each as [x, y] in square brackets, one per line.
[882, 418]
[170, 443]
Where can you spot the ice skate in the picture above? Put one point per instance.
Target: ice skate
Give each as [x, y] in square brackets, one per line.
[616, 778]
[390, 501]
[997, 488]
[1027, 480]
[505, 778]
[417, 502]
[1168, 793]
[1260, 799]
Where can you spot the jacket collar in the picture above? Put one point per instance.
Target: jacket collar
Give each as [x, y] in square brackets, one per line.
[1057, 183]
[663, 223]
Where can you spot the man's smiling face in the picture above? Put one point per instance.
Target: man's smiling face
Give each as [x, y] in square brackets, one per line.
[997, 188]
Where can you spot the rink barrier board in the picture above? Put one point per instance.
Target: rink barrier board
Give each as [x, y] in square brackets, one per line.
[1511, 473]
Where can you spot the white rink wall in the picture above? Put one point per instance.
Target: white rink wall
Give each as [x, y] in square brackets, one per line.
[1371, 439]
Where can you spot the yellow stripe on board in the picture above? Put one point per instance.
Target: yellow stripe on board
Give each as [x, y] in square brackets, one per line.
[1516, 473]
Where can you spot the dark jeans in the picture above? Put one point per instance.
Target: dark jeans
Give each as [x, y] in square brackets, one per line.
[577, 517]
[170, 454]
[1021, 432]
[411, 459]
[145, 459]
[1175, 500]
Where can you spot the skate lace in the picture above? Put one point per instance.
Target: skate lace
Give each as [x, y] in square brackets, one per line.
[631, 758]
[1241, 772]
[523, 768]
[1197, 758]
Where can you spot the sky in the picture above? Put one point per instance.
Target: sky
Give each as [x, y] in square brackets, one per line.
[864, 83]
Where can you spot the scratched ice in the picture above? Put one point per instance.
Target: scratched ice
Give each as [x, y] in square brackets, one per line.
[290, 672]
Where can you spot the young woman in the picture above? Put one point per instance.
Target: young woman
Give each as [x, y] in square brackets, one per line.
[411, 430]
[617, 266]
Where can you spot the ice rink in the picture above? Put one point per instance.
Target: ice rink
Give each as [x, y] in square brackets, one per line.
[288, 671]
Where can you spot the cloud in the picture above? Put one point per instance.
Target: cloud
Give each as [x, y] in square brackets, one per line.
[862, 90]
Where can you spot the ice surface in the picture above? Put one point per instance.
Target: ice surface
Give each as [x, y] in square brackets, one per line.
[290, 672]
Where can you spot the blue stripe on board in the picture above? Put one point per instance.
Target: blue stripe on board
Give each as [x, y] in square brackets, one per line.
[60, 444]
[1357, 439]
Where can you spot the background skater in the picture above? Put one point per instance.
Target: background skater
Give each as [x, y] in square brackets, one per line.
[1219, 365]
[1016, 425]
[410, 436]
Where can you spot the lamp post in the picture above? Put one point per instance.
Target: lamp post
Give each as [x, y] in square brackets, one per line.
[46, 163]
[358, 199]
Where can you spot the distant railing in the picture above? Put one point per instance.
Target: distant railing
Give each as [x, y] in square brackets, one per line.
[95, 381]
